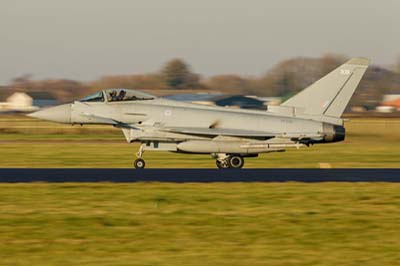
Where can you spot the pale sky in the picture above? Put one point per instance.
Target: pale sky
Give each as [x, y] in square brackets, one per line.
[85, 39]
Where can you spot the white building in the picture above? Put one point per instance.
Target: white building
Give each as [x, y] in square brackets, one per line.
[390, 97]
[25, 101]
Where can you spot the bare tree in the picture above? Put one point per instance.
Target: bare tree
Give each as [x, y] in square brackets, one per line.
[177, 75]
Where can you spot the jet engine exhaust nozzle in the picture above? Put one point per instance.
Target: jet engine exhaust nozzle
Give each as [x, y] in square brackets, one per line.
[333, 133]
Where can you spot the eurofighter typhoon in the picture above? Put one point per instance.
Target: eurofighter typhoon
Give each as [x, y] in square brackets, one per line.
[228, 135]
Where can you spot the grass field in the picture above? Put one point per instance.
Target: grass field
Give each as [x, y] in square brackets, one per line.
[200, 224]
[278, 224]
[26, 142]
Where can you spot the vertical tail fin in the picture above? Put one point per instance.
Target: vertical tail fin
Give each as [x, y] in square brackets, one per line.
[330, 95]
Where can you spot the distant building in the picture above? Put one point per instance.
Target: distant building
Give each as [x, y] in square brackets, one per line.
[390, 97]
[25, 101]
[358, 109]
[239, 101]
[390, 102]
[385, 109]
[236, 101]
[267, 100]
[20, 101]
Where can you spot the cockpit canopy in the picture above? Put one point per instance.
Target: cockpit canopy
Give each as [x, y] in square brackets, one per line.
[95, 97]
[117, 95]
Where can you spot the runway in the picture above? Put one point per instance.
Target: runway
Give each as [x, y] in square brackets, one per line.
[57, 175]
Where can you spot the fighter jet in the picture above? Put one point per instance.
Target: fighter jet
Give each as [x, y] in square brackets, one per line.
[313, 116]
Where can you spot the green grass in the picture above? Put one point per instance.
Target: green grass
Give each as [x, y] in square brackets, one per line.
[281, 224]
[200, 224]
[26, 142]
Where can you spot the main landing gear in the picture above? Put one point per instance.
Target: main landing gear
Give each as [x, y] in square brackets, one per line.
[139, 162]
[229, 161]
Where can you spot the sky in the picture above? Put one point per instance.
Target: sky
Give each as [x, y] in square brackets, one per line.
[86, 39]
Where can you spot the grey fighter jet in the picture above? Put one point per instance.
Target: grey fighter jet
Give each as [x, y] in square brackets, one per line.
[228, 135]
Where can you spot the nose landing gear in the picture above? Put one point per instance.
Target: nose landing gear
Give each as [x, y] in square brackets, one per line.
[139, 163]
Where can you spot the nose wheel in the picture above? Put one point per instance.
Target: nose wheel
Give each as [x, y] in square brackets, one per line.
[139, 162]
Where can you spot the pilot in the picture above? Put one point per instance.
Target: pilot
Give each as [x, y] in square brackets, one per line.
[121, 95]
[113, 96]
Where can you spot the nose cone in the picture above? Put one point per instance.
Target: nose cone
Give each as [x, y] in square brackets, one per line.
[60, 114]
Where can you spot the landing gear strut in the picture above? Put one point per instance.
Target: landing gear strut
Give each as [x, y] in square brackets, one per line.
[139, 162]
[230, 161]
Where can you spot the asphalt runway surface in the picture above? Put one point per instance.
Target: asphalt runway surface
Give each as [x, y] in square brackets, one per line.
[58, 175]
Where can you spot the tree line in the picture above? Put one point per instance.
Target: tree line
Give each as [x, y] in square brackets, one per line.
[283, 80]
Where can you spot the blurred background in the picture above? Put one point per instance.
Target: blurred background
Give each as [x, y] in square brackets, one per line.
[242, 54]
[238, 54]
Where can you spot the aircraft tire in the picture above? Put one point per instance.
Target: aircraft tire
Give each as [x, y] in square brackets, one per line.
[235, 162]
[222, 164]
[139, 164]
